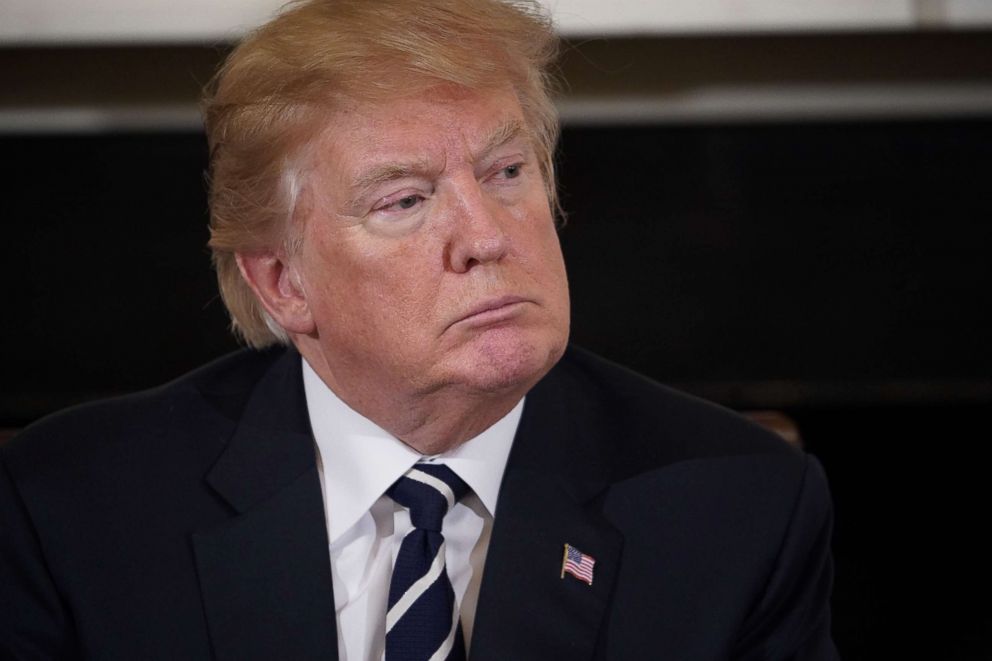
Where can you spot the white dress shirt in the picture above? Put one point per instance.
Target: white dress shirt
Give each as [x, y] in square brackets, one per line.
[358, 461]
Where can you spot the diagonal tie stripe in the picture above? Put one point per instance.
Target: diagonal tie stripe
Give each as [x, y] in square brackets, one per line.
[442, 487]
[454, 638]
[415, 591]
[422, 618]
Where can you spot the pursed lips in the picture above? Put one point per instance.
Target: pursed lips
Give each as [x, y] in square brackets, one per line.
[492, 310]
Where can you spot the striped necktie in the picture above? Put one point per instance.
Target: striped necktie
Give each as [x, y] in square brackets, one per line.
[422, 621]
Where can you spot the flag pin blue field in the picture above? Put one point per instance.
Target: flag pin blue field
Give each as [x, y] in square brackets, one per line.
[578, 564]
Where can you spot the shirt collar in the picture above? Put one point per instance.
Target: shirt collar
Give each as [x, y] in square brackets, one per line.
[361, 460]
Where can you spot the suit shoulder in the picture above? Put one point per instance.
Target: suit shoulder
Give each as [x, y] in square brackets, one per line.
[656, 424]
[199, 400]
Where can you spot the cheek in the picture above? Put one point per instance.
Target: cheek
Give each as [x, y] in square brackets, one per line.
[397, 285]
[548, 269]
[542, 256]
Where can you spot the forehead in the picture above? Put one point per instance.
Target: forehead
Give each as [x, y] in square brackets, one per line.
[452, 123]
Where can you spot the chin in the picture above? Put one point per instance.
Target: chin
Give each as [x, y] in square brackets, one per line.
[503, 365]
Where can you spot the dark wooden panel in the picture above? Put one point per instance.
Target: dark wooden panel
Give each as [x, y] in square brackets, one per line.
[762, 265]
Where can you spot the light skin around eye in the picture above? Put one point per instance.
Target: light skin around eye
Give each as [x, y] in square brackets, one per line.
[395, 206]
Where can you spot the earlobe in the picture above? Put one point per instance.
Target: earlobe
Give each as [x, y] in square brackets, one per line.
[278, 288]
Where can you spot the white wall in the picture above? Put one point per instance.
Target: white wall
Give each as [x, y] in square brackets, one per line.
[824, 60]
[37, 22]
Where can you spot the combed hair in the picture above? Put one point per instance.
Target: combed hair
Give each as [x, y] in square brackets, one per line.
[279, 87]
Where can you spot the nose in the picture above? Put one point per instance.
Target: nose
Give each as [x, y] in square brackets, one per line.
[478, 235]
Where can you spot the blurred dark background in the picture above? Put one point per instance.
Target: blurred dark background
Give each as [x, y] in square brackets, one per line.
[775, 222]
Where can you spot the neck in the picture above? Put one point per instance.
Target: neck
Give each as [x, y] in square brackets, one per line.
[434, 427]
[430, 423]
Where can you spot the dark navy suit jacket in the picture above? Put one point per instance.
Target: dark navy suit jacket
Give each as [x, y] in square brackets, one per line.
[187, 522]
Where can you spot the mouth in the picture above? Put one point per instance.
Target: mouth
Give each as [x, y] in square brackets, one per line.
[492, 311]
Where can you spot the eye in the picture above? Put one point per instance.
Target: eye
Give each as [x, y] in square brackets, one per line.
[404, 203]
[407, 202]
[511, 171]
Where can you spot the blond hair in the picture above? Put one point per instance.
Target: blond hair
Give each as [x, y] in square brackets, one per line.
[269, 97]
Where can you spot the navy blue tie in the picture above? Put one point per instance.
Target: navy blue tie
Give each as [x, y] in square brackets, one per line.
[422, 621]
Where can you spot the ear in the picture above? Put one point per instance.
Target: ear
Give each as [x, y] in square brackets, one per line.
[278, 288]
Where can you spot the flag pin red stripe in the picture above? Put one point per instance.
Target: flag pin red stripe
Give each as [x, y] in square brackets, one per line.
[578, 564]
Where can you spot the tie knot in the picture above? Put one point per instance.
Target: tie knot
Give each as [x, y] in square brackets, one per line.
[428, 491]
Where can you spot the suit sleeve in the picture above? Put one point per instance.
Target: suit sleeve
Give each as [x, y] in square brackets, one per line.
[792, 618]
[34, 623]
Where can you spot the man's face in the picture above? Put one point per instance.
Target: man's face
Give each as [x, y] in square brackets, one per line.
[430, 259]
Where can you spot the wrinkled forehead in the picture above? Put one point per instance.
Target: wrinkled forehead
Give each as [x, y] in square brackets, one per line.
[441, 122]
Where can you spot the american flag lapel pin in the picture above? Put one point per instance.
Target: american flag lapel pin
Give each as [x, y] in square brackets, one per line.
[578, 564]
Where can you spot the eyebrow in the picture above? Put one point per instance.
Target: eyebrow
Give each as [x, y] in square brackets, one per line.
[380, 174]
[506, 132]
[502, 134]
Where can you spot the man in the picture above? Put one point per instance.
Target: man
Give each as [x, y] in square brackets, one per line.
[382, 202]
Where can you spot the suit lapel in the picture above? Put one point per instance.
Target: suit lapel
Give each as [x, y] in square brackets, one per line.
[265, 574]
[548, 499]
